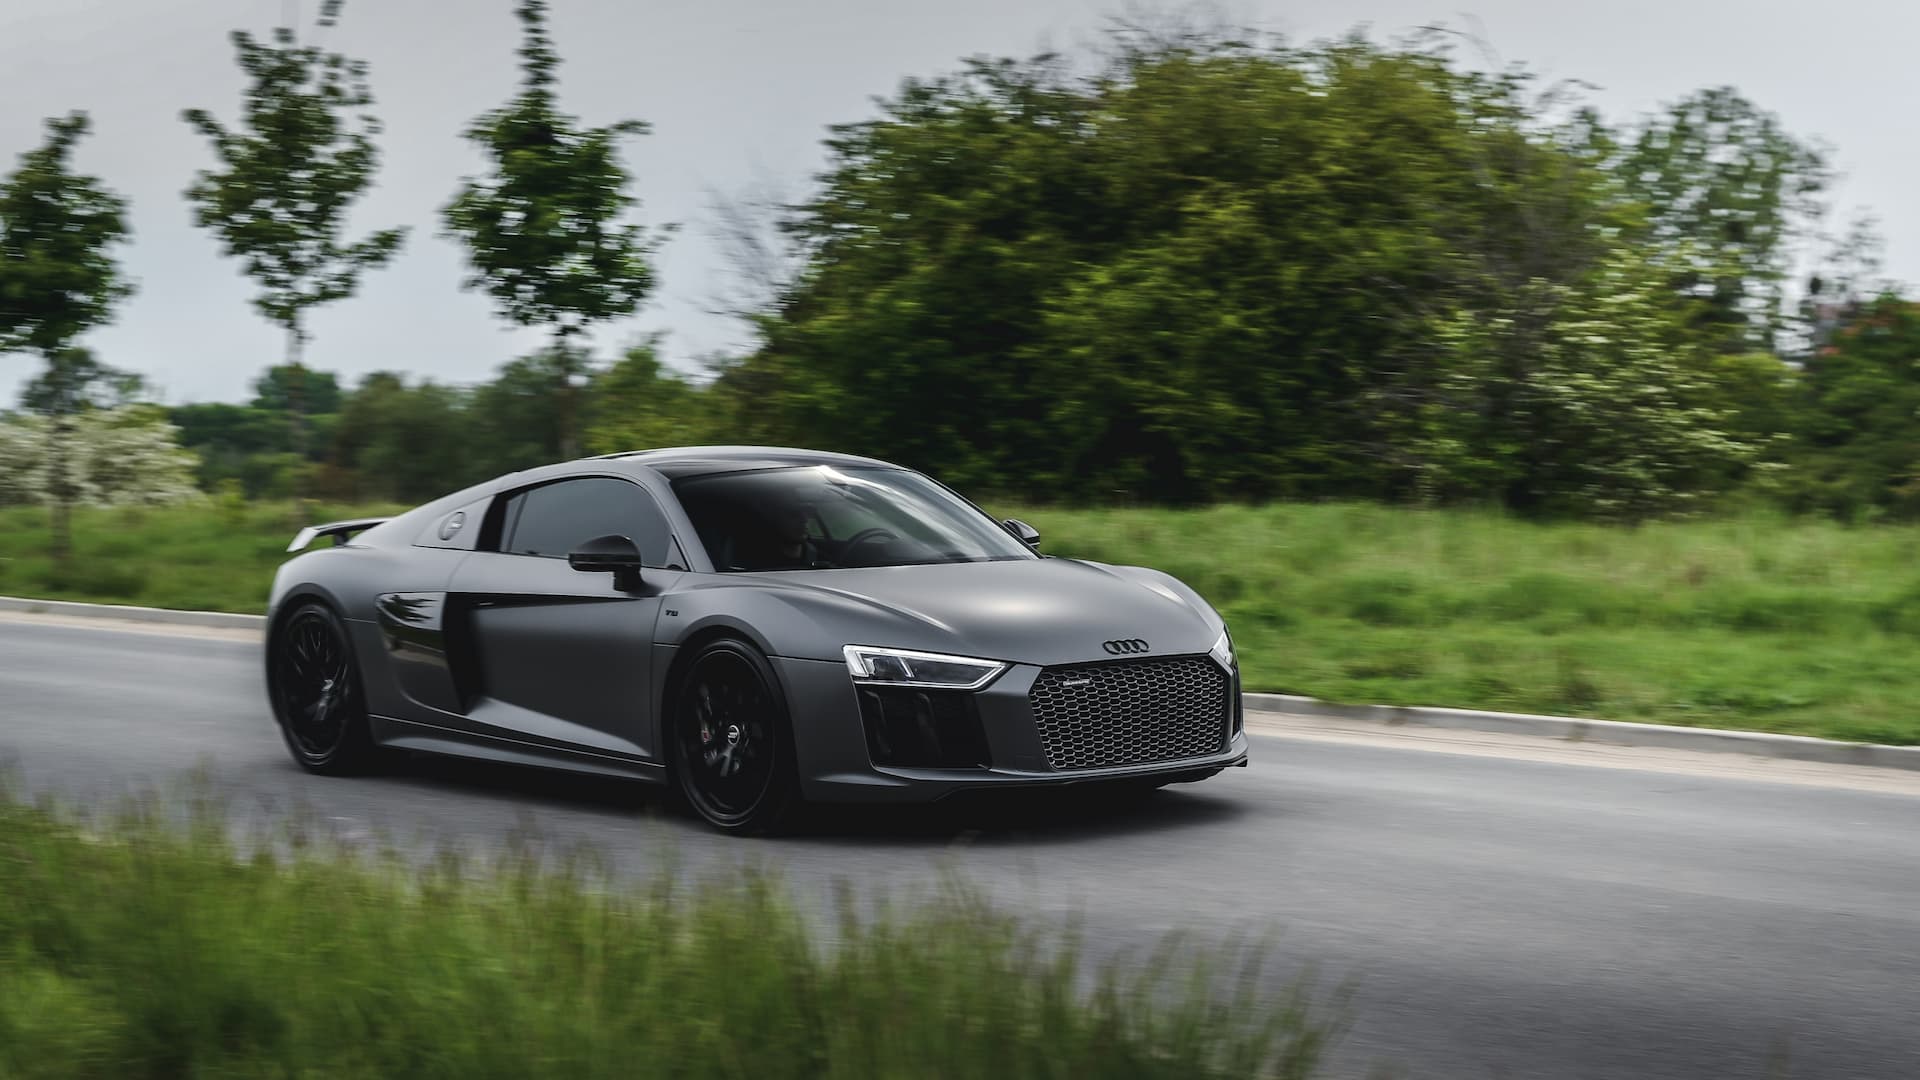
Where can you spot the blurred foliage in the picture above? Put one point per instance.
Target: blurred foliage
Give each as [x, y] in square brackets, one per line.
[1726, 191]
[151, 943]
[638, 403]
[391, 440]
[1859, 447]
[278, 388]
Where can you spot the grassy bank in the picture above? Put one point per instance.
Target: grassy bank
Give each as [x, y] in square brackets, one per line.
[217, 556]
[133, 948]
[1796, 626]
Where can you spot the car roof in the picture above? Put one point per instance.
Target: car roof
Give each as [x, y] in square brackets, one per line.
[680, 461]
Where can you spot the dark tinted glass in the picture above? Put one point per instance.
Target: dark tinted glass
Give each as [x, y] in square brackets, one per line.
[828, 517]
[553, 520]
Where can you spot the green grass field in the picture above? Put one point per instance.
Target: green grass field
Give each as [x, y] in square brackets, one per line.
[136, 946]
[1755, 622]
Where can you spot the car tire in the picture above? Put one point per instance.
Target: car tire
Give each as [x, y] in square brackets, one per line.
[319, 701]
[731, 741]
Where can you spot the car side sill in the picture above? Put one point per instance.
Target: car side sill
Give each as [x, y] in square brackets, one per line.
[398, 734]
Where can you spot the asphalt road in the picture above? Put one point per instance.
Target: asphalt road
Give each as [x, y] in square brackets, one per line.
[1500, 908]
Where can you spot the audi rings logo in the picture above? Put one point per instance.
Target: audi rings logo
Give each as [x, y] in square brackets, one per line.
[1125, 645]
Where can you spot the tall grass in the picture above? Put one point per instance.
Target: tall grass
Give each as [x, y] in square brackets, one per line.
[138, 947]
[1760, 622]
[219, 555]
[1753, 621]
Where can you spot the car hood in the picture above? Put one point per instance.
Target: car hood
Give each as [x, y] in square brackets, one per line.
[1039, 611]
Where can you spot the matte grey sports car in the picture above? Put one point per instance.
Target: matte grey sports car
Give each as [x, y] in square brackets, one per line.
[755, 627]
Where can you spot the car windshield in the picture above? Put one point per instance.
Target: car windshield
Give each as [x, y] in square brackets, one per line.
[835, 517]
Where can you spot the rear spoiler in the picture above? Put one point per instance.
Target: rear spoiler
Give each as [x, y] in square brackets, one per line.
[339, 530]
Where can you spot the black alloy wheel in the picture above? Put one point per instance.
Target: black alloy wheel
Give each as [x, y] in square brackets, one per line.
[316, 693]
[733, 757]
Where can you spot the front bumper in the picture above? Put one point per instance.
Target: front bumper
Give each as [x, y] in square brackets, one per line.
[835, 763]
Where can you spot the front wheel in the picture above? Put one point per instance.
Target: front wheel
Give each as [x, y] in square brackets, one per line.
[732, 747]
[316, 692]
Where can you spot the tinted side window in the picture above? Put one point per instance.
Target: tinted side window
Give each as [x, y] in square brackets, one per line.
[552, 520]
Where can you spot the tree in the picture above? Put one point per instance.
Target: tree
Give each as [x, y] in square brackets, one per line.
[1618, 411]
[1860, 447]
[1224, 267]
[638, 404]
[239, 444]
[281, 385]
[542, 229]
[521, 417]
[58, 278]
[1723, 182]
[404, 443]
[1209, 270]
[75, 381]
[287, 175]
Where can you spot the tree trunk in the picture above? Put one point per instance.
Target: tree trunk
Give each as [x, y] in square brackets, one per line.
[569, 441]
[60, 481]
[297, 414]
[569, 404]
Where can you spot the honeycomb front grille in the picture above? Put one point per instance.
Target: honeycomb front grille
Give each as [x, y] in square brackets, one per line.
[1130, 713]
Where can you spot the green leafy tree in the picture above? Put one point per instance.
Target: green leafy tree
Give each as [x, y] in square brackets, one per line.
[239, 444]
[58, 279]
[1218, 267]
[288, 173]
[1210, 270]
[404, 443]
[542, 229]
[1726, 191]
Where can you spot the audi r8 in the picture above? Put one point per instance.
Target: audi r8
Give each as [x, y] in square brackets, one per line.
[755, 627]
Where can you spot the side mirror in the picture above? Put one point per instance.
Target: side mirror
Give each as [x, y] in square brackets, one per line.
[613, 554]
[1022, 531]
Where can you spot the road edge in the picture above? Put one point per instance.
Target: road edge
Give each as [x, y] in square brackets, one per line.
[1605, 732]
[1276, 707]
[223, 620]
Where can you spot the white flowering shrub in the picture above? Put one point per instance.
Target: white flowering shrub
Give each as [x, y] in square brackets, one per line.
[1591, 397]
[125, 456]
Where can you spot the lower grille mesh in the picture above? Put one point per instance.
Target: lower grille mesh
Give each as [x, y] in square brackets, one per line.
[1130, 713]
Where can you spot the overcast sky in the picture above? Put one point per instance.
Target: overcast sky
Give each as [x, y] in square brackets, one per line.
[739, 93]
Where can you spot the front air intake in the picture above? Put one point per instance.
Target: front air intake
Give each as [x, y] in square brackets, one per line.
[1131, 712]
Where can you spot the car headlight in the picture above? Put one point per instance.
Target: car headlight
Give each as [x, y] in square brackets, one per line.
[901, 667]
[1223, 650]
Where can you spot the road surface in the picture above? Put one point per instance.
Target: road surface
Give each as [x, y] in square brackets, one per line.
[1500, 907]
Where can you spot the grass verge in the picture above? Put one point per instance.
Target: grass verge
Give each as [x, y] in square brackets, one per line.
[1754, 622]
[137, 946]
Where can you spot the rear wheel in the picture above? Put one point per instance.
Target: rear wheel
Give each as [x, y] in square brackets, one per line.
[732, 747]
[317, 695]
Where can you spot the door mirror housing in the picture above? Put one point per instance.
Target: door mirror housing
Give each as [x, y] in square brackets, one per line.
[1022, 531]
[611, 554]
